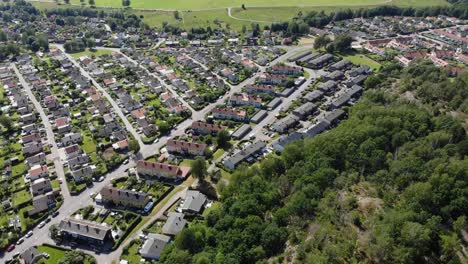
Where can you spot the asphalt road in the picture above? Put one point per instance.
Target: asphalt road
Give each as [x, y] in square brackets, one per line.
[73, 203]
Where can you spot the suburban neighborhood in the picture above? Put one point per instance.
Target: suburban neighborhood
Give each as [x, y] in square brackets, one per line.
[116, 138]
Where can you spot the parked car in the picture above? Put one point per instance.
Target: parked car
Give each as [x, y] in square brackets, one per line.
[16, 255]
[10, 248]
[29, 234]
[55, 214]
[46, 255]
[41, 224]
[126, 161]
[21, 240]
[48, 219]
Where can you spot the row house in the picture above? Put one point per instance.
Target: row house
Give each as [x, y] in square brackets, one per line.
[272, 79]
[230, 114]
[161, 171]
[199, 127]
[127, 198]
[286, 70]
[260, 89]
[245, 100]
[185, 148]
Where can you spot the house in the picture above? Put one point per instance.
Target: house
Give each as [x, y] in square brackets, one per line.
[334, 117]
[121, 145]
[150, 130]
[328, 87]
[80, 173]
[199, 127]
[305, 110]
[363, 70]
[28, 118]
[231, 114]
[161, 171]
[174, 224]
[71, 138]
[283, 125]
[313, 96]
[334, 76]
[31, 148]
[125, 198]
[194, 202]
[30, 256]
[299, 56]
[37, 171]
[281, 143]
[35, 137]
[229, 74]
[78, 161]
[244, 154]
[242, 131]
[270, 79]
[274, 103]
[321, 61]
[27, 129]
[185, 148]
[285, 70]
[72, 151]
[63, 125]
[42, 203]
[358, 80]
[340, 66]
[259, 116]
[245, 100]
[153, 246]
[39, 158]
[40, 186]
[87, 231]
[260, 89]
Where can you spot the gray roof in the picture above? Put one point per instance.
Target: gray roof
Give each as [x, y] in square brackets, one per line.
[321, 126]
[335, 75]
[154, 245]
[174, 224]
[274, 103]
[334, 115]
[322, 59]
[247, 152]
[242, 131]
[31, 255]
[341, 64]
[327, 86]
[313, 96]
[259, 116]
[194, 201]
[84, 228]
[305, 109]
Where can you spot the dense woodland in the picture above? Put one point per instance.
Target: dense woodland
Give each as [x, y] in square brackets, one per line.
[389, 185]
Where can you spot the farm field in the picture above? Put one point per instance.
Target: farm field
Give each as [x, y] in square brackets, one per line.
[213, 4]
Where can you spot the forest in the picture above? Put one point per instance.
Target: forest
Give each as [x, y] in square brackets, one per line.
[388, 185]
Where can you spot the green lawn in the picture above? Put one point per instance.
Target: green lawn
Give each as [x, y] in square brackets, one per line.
[218, 154]
[21, 197]
[89, 53]
[186, 163]
[55, 184]
[132, 256]
[55, 254]
[360, 59]
[18, 169]
[88, 144]
[206, 4]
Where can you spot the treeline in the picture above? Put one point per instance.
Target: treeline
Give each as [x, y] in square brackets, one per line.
[388, 185]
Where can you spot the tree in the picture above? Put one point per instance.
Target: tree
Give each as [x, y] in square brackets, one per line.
[91, 2]
[54, 232]
[223, 139]
[342, 42]
[3, 36]
[73, 257]
[321, 41]
[176, 15]
[243, 6]
[6, 122]
[133, 145]
[66, 1]
[199, 168]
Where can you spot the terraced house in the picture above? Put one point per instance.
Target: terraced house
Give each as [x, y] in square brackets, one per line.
[185, 148]
[161, 171]
[123, 197]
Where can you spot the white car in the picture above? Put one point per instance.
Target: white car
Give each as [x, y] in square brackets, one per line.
[41, 224]
[29, 234]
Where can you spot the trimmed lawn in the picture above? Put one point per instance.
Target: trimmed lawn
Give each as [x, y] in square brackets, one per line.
[21, 197]
[88, 144]
[55, 254]
[18, 169]
[186, 163]
[89, 53]
[55, 184]
[218, 154]
[132, 256]
[360, 59]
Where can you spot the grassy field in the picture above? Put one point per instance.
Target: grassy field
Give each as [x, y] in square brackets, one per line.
[212, 4]
[360, 59]
[203, 13]
[54, 253]
[87, 52]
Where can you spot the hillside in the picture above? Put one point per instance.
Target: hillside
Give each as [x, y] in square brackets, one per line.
[386, 186]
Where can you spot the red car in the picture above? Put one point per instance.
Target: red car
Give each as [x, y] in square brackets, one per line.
[10, 248]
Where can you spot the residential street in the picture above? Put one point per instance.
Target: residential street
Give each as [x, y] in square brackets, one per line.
[73, 203]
